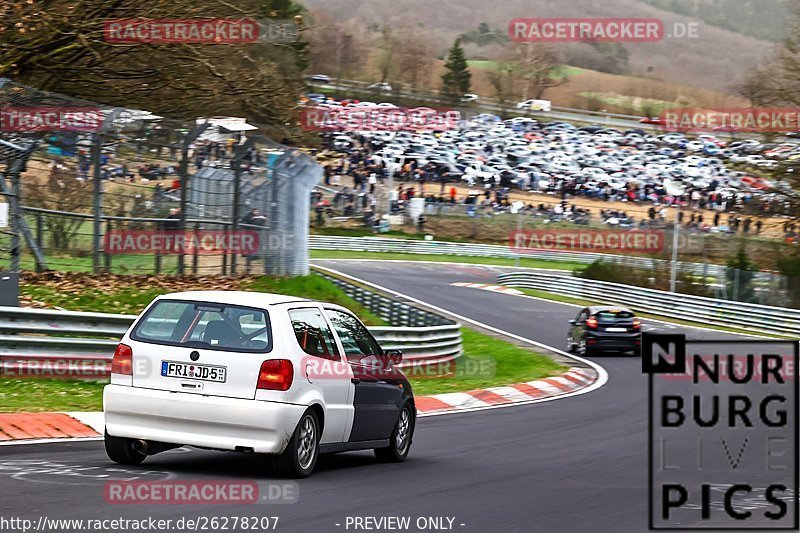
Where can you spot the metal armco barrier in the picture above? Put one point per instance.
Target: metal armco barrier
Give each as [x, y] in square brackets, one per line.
[741, 315]
[410, 246]
[425, 338]
[63, 343]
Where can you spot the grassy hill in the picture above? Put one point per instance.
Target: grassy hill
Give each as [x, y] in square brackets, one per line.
[717, 59]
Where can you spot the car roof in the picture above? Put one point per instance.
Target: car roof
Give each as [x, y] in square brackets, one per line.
[599, 308]
[246, 298]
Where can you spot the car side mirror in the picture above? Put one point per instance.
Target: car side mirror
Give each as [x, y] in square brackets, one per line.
[395, 356]
[572, 322]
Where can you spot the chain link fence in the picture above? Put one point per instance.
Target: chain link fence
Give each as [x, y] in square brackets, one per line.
[94, 188]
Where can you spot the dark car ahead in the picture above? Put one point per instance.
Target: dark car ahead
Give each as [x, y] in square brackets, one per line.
[604, 329]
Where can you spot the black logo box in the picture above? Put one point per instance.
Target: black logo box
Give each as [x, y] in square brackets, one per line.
[675, 346]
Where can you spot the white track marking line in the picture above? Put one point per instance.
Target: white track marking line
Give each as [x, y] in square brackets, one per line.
[95, 420]
[50, 441]
[602, 375]
[489, 266]
[671, 325]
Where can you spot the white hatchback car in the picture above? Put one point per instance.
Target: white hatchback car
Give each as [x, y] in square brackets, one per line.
[255, 372]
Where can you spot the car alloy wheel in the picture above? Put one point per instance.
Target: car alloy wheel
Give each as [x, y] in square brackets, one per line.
[307, 445]
[400, 440]
[300, 456]
[402, 435]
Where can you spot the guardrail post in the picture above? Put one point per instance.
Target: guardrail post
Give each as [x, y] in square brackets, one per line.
[195, 253]
[107, 256]
[157, 265]
[39, 230]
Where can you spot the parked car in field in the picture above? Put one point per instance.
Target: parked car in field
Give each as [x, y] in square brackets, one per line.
[469, 97]
[535, 105]
[604, 329]
[654, 121]
[258, 373]
[320, 78]
[380, 87]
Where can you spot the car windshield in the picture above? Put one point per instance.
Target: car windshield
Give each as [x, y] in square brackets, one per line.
[613, 316]
[212, 326]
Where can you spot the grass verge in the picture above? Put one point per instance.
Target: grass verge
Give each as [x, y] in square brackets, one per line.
[489, 362]
[129, 295]
[42, 395]
[500, 261]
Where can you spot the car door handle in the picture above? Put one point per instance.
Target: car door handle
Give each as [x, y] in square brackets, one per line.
[355, 380]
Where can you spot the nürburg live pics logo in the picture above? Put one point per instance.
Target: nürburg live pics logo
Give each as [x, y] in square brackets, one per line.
[723, 433]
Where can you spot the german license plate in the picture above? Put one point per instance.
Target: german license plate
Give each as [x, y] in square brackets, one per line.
[616, 330]
[174, 369]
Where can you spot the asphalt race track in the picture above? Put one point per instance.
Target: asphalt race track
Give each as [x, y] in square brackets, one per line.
[570, 465]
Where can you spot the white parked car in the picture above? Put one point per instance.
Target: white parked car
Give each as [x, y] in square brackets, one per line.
[381, 87]
[535, 105]
[469, 97]
[259, 373]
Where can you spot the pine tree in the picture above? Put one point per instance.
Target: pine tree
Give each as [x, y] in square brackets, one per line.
[456, 79]
[739, 277]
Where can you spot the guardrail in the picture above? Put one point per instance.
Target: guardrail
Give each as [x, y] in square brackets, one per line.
[425, 338]
[483, 102]
[74, 344]
[760, 318]
[411, 246]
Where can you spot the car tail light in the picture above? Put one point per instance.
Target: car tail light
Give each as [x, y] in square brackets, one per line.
[275, 374]
[591, 323]
[122, 363]
[636, 324]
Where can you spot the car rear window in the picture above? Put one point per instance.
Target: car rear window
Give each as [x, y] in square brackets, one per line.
[212, 326]
[613, 316]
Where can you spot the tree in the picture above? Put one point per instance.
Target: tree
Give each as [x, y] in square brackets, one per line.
[789, 266]
[60, 192]
[386, 58]
[60, 46]
[457, 78]
[413, 52]
[536, 66]
[739, 277]
[334, 46]
[778, 84]
[501, 78]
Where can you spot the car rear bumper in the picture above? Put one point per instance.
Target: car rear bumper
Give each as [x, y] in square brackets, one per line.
[614, 343]
[193, 419]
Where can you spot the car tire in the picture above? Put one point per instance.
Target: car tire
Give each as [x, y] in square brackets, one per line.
[120, 450]
[300, 456]
[400, 439]
[583, 350]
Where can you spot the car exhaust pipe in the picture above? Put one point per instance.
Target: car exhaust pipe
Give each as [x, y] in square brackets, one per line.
[151, 448]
